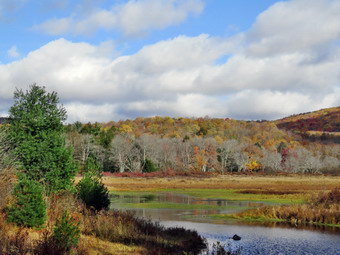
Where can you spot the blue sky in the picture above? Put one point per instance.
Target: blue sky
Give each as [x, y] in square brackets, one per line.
[111, 60]
[18, 22]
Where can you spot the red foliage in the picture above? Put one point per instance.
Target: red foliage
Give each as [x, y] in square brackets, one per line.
[323, 120]
[160, 174]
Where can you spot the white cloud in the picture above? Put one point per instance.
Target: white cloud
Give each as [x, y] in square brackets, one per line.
[90, 113]
[263, 77]
[133, 18]
[13, 52]
[185, 105]
[263, 104]
[137, 17]
[295, 26]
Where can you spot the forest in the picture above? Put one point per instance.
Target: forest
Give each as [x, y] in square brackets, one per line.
[206, 144]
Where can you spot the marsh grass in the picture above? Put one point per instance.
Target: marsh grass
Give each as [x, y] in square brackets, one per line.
[238, 195]
[125, 228]
[297, 183]
[288, 189]
[322, 209]
[179, 206]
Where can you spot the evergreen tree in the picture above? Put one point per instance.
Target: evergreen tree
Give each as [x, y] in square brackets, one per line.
[29, 208]
[66, 234]
[36, 132]
[149, 166]
[93, 192]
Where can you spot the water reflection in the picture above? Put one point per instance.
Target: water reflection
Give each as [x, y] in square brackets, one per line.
[223, 206]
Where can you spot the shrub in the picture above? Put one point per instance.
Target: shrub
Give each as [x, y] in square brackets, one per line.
[93, 192]
[29, 209]
[66, 233]
[149, 166]
[62, 240]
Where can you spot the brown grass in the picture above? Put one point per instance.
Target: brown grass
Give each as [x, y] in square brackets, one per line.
[125, 228]
[322, 209]
[107, 232]
[280, 184]
[269, 192]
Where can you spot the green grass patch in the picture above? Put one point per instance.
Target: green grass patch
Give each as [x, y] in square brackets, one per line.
[330, 225]
[228, 194]
[133, 193]
[249, 219]
[167, 205]
[231, 194]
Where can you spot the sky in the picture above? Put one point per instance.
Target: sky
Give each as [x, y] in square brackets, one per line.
[122, 59]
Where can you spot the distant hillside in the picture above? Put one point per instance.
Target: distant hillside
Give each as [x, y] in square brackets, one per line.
[262, 133]
[325, 120]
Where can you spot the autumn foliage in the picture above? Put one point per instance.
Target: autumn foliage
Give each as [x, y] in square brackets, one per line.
[207, 145]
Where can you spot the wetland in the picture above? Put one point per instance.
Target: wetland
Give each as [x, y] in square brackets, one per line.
[203, 205]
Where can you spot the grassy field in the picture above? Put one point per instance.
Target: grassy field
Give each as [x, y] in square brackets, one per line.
[275, 189]
[280, 184]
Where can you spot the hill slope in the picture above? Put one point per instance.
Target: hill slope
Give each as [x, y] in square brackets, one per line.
[325, 120]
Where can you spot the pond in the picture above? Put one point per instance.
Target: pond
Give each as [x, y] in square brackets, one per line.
[173, 209]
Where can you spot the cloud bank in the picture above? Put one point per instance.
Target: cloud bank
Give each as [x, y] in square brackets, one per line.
[288, 62]
[134, 18]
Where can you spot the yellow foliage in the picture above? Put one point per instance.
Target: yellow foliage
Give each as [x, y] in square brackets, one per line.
[125, 128]
[219, 139]
[253, 166]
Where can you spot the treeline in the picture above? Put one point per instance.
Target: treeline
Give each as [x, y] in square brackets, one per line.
[200, 145]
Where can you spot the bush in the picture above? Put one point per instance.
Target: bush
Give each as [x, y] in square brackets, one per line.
[149, 166]
[66, 233]
[93, 192]
[62, 240]
[29, 209]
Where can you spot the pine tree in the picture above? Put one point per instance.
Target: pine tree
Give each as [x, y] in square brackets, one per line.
[29, 208]
[36, 132]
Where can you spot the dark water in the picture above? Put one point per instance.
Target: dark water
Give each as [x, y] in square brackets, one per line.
[276, 238]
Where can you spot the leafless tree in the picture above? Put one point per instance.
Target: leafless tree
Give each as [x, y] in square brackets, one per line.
[7, 169]
[271, 160]
[121, 148]
[81, 144]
